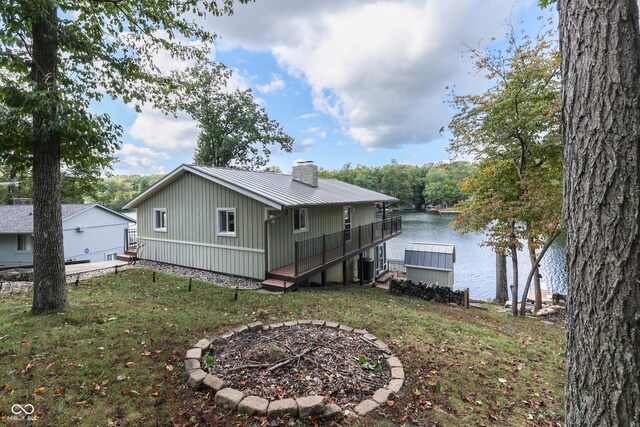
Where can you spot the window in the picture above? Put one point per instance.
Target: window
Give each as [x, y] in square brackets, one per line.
[112, 257]
[160, 219]
[299, 220]
[227, 222]
[347, 223]
[23, 243]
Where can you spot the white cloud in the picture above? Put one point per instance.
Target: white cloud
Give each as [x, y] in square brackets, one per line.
[159, 130]
[308, 116]
[276, 84]
[380, 68]
[307, 142]
[318, 131]
[133, 159]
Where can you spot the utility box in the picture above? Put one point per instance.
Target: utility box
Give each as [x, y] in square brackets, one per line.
[430, 263]
[367, 269]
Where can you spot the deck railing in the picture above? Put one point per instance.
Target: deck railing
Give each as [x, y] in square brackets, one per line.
[315, 252]
[130, 239]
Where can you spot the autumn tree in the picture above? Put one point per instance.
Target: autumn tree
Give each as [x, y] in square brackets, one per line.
[600, 45]
[56, 58]
[515, 128]
[234, 129]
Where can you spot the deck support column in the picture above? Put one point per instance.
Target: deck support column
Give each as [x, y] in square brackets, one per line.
[360, 267]
[344, 273]
[323, 278]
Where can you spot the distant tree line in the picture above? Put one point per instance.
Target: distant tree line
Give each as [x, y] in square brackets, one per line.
[436, 184]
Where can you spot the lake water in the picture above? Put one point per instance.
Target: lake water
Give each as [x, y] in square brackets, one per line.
[475, 266]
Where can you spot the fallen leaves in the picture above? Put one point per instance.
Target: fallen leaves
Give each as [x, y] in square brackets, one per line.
[121, 377]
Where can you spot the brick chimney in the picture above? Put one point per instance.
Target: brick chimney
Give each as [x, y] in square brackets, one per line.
[305, 172]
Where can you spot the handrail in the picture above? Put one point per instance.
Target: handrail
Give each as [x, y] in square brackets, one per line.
[315, 252]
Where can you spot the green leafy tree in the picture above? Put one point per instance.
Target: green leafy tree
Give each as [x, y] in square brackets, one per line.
[515, 128]
[56, 58]
[117, 191]
[234, 129]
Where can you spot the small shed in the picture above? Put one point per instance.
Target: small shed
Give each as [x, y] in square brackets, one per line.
[430, 263]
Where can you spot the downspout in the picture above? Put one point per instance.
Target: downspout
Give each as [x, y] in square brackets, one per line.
[266, 241]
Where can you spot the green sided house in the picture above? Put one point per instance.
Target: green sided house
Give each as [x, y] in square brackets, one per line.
[285, 230]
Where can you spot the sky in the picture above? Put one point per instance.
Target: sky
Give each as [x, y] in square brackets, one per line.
[360, 82]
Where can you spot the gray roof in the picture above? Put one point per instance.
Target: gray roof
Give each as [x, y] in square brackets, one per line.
[430, 255]
[273, 189]
[19, 218]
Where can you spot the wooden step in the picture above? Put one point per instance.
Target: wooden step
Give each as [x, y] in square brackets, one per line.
[132, 252]
[127, 257]
[276, 285]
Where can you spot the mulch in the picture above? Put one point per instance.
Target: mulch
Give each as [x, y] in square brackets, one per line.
[298, 361]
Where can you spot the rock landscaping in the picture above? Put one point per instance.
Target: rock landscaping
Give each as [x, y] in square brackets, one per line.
[426, 291]
[299, 369]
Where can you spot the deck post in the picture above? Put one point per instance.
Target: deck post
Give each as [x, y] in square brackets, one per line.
[344, 242]
[359, 237]
[323, 278]
[344, 273]
[295, 264]
[360, 268]
[373, 232]
[324, 249]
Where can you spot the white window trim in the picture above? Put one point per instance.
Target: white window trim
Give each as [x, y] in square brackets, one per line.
[235, 223]
[306, 221]
[160, 229]
[113, 254]
[27, 249]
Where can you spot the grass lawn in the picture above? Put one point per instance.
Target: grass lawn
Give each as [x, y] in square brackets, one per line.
[116, 357]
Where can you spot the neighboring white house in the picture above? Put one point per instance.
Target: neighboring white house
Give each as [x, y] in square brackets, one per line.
[90, 232]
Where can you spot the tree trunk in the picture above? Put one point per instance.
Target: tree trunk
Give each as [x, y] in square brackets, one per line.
[600, 46]
[534, 264]
[514, 287]
[50, 289]
[502, 290]
[536, 277]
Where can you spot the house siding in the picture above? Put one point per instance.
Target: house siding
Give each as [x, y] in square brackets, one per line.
[104, 234]
[191, 238]
[9, 254]
[320, 220]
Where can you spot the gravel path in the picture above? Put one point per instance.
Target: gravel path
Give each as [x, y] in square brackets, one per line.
[205, 276]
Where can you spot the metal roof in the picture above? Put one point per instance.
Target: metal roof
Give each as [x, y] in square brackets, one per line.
[19, 218]
[273, 189]
[430, 255]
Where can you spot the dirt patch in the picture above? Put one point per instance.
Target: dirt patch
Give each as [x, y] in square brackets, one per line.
[298, 361]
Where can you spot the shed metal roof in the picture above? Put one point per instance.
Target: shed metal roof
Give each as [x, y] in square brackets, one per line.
[16, 219]
[430, 255]
[276, 190]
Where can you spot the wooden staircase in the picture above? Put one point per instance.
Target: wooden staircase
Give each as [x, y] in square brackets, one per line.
[275, 285]
[129, 256]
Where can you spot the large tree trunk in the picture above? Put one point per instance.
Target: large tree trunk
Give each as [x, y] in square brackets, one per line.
[600, 46]
[50, 290]
[502, 290]
[514, 287]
